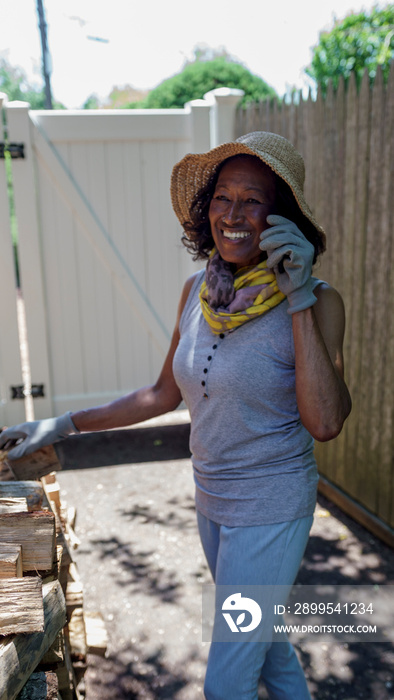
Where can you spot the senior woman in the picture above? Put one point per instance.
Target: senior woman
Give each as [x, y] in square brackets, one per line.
[257, 356]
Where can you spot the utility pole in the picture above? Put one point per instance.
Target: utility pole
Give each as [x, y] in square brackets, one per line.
[45, 55]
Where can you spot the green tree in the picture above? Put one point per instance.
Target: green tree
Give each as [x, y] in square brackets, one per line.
[14, 83]
[199, 77]
[358, 42]
[92, 102]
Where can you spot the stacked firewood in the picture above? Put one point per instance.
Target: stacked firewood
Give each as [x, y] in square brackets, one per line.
[45, 633]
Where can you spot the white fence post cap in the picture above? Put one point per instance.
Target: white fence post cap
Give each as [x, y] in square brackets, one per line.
[18, 104]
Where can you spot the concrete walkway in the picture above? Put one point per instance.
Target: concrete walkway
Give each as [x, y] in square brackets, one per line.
[142, 566]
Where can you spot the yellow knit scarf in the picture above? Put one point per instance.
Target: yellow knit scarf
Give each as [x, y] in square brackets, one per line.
[228, 300]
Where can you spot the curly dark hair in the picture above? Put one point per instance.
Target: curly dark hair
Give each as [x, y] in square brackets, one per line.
[198, 238]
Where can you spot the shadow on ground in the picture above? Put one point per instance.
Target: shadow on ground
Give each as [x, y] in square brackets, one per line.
[124, 677]
[137, 568]
[342, 552]
[137, 528]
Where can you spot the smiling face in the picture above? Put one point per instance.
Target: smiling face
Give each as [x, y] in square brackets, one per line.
[243, 198]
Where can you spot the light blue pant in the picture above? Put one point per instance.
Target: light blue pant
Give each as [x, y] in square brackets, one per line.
[262, 555]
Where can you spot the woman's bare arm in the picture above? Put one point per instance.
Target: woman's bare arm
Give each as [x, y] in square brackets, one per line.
[322, 395]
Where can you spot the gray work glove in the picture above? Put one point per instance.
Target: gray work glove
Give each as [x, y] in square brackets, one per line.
[290, 256]
[36, 434]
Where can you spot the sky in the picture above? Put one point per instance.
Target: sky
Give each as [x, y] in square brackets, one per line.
[95, 45]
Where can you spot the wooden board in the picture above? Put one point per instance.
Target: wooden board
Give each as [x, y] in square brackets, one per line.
[52, 491]
[77, 633]
[96, 634]
[13, 505]
[54, 657]
[36, 533]
[20, 654]
[21, 605]
[10, 560]
[74, 596]
[31, 490]
[35, 465]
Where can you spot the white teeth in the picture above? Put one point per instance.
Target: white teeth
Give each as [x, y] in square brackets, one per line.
[234, 235]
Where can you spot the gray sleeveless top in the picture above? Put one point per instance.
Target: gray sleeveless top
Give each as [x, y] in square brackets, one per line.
[252, 458]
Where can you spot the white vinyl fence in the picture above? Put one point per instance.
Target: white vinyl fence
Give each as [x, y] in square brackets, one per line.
[101, 262]
[11, 410]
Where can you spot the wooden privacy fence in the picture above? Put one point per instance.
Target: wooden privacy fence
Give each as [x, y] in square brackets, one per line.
[347, 141]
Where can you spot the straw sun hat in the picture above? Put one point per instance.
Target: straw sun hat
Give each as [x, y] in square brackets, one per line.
[194, 170]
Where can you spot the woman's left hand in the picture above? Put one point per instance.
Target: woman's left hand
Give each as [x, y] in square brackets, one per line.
[290, 255]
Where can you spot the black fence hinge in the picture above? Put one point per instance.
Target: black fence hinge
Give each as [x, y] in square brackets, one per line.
[16, 150]
[19, 392]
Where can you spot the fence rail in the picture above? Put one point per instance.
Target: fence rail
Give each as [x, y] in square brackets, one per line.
[347, 141]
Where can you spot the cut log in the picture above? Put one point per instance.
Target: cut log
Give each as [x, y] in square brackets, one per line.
[10, 560]
[74, 574]
[77, 634]
[74, 596]
[49, 478]
[42, 685]
[35, 465]
[20, 654]
[53, 493]
[31, 490]
[61, 539]
[96, 634]
[62, 569]
[36, 533]
[71, 516]
[68, 518]
[6, 474]
[13, 505]
[21, 605]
